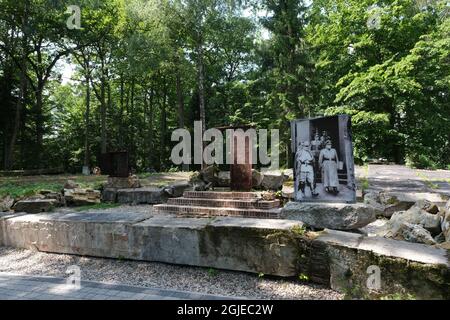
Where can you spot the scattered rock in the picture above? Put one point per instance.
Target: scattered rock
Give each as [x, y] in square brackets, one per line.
[70, 184]
[177, 189]
[209, 174]
[223, 179]
[35, 205]
[273, 181]
[123, 182]
[399, 225]
[373, 199]
[6, 203]
[394, 202]
[440, 238]
[339, 216]
[413, 233]
[427, 206]
[445, 224]
[81, 197]
[199, 186]
[444, 245]
[416, 215]
[48, 194]
[257, 178]
[268, 196]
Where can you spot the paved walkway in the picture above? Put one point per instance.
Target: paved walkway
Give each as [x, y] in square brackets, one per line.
[18, 287]
[403, 179]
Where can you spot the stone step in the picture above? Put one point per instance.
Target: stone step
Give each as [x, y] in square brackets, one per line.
[196, 211]
[220, 195]
[226, 203]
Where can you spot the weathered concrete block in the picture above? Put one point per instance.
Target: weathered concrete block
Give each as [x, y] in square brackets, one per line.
[141, 195]
[405, 268]
[339, 216]
[109, 195]
[274, 247]
[35, 205]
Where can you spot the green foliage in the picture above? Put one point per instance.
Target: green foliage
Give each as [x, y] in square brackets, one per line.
[298, 230]
[303, 277]
[21, 190]
[213, 272]
[140, 62]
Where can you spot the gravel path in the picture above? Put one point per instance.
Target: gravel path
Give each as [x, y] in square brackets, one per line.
[159, 275]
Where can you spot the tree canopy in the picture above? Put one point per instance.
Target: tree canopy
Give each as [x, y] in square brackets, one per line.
[137, 69]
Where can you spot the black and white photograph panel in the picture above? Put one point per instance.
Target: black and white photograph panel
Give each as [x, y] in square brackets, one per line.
[323, 159]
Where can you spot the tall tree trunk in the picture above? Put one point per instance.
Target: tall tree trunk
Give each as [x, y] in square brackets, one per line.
[103, 116]
[39, 123]
[132, 123]
[150, 131]
[86, 119]
[201, 89]
[163, 124]
[121, 112]
[180, 98]
[9, 155]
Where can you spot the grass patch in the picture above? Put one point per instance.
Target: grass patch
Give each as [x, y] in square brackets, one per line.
[213, 272]
[19, 190]
[97, 206]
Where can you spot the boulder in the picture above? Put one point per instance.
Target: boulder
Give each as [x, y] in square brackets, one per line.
[35, 205]
[413, 233]
[272, 181]
[339, 216]
[373, 199]
[394, 202]
[6, 203]
[81, 197]
[427, 206]
[199, 185]
[445, 224]
[223, 179]
[177, 189]
[70, 184]
[416, 215]
[439, 238]
[123, 182]
[257, 178]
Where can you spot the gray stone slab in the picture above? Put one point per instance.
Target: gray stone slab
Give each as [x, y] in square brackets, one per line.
[115, 217]
[386, 247]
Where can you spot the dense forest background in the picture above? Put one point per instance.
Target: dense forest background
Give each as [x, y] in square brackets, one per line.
[136, 70]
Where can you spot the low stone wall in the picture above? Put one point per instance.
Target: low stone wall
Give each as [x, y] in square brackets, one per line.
[269, 246]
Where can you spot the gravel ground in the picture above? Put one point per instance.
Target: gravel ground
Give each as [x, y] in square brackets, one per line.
[160, 275]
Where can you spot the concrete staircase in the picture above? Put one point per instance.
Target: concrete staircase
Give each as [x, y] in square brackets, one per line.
[216, 203]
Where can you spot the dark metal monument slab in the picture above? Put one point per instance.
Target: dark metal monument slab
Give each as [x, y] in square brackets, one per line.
[115, 164]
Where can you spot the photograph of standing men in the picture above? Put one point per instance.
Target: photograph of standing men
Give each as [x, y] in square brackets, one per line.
[323, 165]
